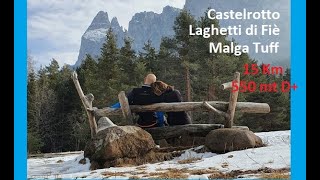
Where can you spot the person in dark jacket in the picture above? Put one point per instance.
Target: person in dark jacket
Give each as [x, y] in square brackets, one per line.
[145, 96]
[168, 94]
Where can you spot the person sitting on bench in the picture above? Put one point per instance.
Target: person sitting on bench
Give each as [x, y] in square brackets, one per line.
[145, 96]
[168, 94]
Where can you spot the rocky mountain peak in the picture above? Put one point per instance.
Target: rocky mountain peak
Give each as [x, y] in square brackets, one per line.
[114, 22]
[101, 20]
[169, 9]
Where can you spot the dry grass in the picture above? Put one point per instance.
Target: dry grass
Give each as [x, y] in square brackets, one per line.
[266, 173]
[174, 170]
[276, 175]
[168, 175]
[134, 177]
[110, 174]
[212, 172]
[202, 171]
[220, 175]
[146, 175]
[174, 173]
[189, 160]
[141, 167]
[141, 172]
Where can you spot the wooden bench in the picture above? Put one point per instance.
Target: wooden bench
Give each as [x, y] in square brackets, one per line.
[225, 109]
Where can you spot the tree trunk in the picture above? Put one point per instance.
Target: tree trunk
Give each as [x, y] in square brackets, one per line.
[232, 102]
[87, 103]
[188, 84]
[188, 87]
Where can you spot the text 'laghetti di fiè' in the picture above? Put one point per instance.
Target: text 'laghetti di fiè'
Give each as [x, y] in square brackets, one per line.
[238, 29]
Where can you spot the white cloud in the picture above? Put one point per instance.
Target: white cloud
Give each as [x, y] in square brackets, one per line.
[45, 58]
[59, 24]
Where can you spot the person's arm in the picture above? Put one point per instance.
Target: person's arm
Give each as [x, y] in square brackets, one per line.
[174, 96]
[178, 96]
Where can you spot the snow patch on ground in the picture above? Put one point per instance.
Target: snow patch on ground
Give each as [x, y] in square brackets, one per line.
[275, 155]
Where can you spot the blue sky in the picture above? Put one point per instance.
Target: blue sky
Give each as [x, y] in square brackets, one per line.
[55, 27]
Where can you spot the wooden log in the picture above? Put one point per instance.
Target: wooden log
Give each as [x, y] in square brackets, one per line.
[225, 86]
[246, 107]
[126, 111]
[92, 121]
[200, 130]
[87, 103]
[211, 108]
[232, 102]
[107, 111]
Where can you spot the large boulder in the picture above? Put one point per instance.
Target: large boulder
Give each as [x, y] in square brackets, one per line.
[122, 145]
[103, 123]
[119, 141]
[229, 139]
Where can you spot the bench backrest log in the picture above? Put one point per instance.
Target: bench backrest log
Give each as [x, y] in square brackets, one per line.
[246, 107]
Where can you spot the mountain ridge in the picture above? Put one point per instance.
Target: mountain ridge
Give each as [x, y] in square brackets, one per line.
[148, 25]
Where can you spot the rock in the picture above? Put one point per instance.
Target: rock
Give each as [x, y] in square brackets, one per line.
[104, 122]
[142, 27]
[118, 142]
[94, 165]
[93, 38]
[83, 161]
[225, 140]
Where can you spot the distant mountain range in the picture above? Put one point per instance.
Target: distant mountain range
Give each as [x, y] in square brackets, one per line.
[146, 26]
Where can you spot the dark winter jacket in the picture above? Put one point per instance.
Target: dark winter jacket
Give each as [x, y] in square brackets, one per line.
[144, 96]
[175, 118]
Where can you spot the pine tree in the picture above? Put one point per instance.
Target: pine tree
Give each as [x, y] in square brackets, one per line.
[140, 72]
[32, 101]
[34, 139]
[279, 102]
[52, 72]
[184, 46]
[149, 57]
[67, 103]
[88, 75]
[108, 72]
[127, 62]
[47, 112]
[169, 64]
